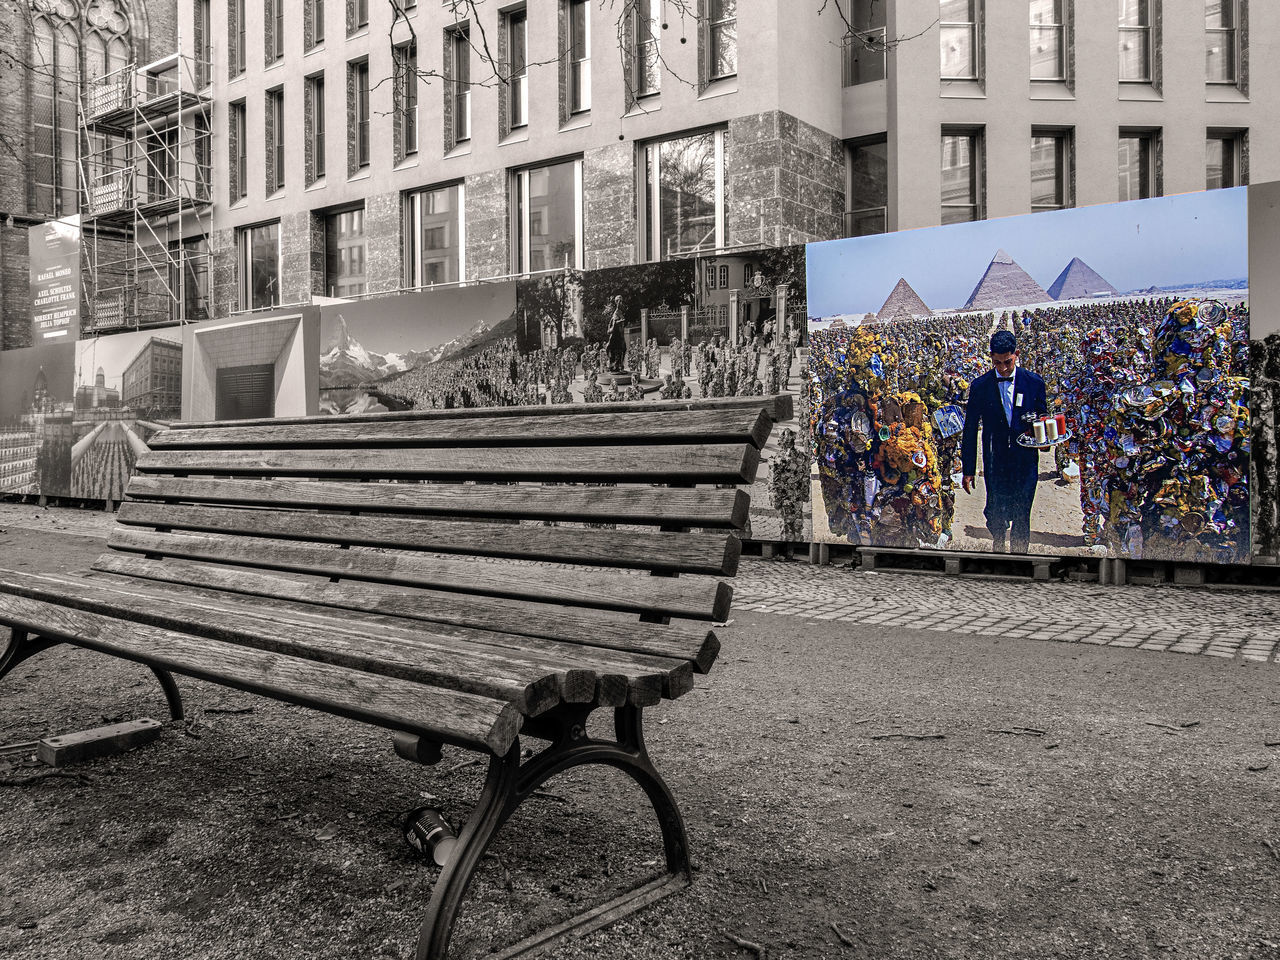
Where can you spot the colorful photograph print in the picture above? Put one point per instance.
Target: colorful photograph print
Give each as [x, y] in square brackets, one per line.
[1073, 382]
[127, 386]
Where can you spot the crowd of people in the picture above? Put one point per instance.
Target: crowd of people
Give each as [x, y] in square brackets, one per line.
[1164, 477]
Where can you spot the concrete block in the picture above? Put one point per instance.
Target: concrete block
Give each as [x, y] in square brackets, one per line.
[99, 742]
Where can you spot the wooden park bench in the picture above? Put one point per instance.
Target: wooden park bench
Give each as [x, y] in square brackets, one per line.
[378, 568]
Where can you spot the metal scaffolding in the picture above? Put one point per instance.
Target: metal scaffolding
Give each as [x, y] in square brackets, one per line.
[146, 195]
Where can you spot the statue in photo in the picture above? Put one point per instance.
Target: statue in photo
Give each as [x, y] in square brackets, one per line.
[617, 336]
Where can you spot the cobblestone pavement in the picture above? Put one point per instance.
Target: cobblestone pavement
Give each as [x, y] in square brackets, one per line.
[1231, 623]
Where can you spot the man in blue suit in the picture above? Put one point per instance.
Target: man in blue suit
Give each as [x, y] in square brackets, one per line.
[998, 401]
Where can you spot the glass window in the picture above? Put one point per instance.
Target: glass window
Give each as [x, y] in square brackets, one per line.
[579, 57]
[958, 24]
[646, 25]
[518, 65]
[360, 111]
[235, 13]
[1224, 160]
[1050, 175]
[344, 254]
[260, 266]
[189, 279]
[722, 28]
[962, 177]
[435, 236]
[1048, 40]
[275, 11]
[406, 96]
[684, 195]
[1135, 41]
[864, 44]
[275, 142]
[315, 107]
[460, 88]
[1136, 166]
[239, 156]
[548, 217]
[868, 187]
[315, 31]
[1220, 41]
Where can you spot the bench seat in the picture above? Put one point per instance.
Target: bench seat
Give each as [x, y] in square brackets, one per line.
[456, 577]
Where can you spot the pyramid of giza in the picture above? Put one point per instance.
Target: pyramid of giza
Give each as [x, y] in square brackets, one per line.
[903, 302]
[1078, 280]
[1005, 284]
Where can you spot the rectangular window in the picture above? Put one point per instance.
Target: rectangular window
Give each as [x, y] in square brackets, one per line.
[344, 254]
[722, 38]
[518, 68]
[684, 195]
[1050, 170]
[547, 214]
[235, 31]
[868, 190]
[435, 236]
[1048, 40]
[1135, 41]
[1137, 165]
[646, 27]
[315, 22]
[864, 45]
[239, 156]
[204, 50]
[357, 15]
[358, 111]
[189, 279]
[162, 165]
[315, 117]
[275, 14]
[405, 58]
[958, 25]
[458, 88]
[579, 49]
[1224, 159]
[1220, 41]
[259, 249]
[275, 140]
[963, 178]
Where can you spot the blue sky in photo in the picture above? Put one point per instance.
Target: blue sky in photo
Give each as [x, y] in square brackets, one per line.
[1165, 241]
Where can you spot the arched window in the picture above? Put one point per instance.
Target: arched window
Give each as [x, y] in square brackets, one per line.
[72, 43]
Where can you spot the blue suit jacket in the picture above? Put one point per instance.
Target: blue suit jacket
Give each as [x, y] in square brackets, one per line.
[1002, 458]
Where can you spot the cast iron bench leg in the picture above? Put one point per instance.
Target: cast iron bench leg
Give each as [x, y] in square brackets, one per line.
[509, 783]
[21, 646]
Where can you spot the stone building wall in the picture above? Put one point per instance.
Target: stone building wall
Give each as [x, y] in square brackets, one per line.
[785, 181]
[609, 202]
[488, 225]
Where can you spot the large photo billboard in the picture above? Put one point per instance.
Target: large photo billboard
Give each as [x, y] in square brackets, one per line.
[1059, 383]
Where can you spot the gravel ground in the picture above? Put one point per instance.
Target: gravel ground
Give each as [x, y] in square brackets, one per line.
[1142, 823]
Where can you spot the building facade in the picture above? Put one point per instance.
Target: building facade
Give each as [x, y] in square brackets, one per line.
[981, 109]
[362, 148]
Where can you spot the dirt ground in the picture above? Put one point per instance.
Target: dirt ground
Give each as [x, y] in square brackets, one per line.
[1144, 822]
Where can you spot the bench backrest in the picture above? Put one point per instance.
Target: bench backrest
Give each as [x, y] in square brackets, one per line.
[414, 499]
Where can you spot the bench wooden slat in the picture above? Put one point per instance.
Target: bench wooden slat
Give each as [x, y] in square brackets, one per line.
[694, 597]
[533, 672]
[715, 554]
[698, 507]
[448, 716]
[533, 688]
[779, 407]
[676, 463]
[597, 628]
[636, 427]
[584, 674]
